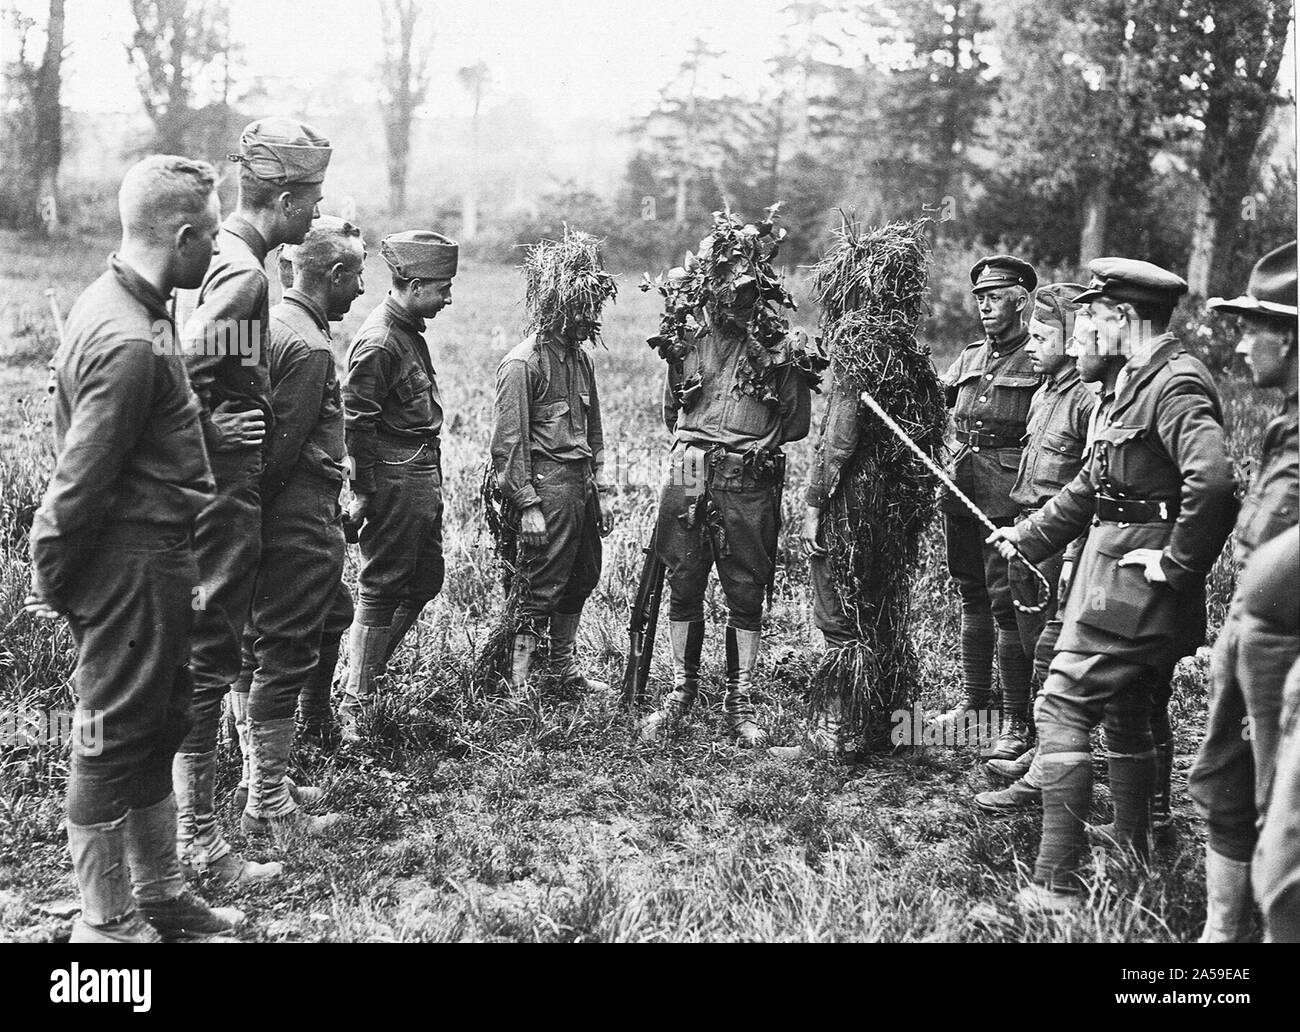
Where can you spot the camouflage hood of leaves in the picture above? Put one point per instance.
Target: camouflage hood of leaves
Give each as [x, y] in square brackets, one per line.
[566, 282]
[730, 287]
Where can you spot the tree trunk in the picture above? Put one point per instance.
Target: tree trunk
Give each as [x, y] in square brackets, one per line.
[679, 207]
[48, 111]
[1096, 215]
[1205, 238]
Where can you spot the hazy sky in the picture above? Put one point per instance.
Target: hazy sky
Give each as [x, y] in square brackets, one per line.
[572, 56]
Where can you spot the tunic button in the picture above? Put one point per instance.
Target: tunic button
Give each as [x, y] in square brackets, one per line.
[997, 354]
[979, 422]
[975, 448]
[983, 397]
[988, 376]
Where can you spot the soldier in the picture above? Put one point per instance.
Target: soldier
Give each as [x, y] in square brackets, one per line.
[393, 415]
[548, 450]
[282, 165]
[721, 502]
[111, 551]
[1059, 415]
[1275, 869]
[1160, 493]
[989, 388]
[1230, 781]
[294, 634]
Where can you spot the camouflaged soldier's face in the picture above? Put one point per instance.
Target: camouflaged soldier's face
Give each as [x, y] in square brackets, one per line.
[1268, 345]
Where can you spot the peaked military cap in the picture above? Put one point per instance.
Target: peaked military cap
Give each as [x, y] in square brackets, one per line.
[1054, 302]
[1002, 270]
[1272, 287]
[283, 150]
[1127, 279]
[420, 254]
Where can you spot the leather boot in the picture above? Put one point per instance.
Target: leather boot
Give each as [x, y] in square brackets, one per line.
[271, 808]
[108, 910]
[1019, 797]
[160, 892]
[1228, 903]
[564, 654]
[1011, 770]
[367, 649]
[737, 705]
[1013, 740]
[199, 842]
[687, 637]
[825, 738]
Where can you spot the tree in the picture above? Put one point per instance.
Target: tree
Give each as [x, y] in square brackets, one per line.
[1232, 60]
[475, 79]
[177, 46]
[936, 96]
[687, 127]
[34, 128]
[404, 83]
[1079, 114]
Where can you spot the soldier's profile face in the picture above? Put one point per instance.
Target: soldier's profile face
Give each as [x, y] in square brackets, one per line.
[301, 210]
[1083, 347]
[1046, 346]
[433, 296]
[348, 284]
[1266, 344]
[194, 254]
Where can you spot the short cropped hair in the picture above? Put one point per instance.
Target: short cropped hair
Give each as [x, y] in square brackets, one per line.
[326, 244]
[163, 192]
[262, 193]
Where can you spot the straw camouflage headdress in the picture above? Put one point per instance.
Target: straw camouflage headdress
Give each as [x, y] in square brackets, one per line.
[566, 284]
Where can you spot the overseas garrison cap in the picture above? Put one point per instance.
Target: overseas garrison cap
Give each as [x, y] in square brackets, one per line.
[283, 150]
[1271, 290]
[420, 254]
[1002, 270]
[1127, 279]
[1054, 302]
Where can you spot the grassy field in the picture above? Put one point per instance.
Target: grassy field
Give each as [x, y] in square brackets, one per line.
[467, 824]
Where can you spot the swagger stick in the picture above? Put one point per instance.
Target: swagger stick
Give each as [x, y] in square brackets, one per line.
[1045, 589]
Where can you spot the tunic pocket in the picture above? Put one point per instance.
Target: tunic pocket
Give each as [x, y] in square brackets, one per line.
[1117, 599]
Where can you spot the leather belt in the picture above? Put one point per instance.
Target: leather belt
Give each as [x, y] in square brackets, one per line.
[1135, 510]
[978, 440]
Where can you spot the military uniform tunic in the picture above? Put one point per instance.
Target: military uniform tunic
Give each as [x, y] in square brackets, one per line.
[720, 504]
[225, 342]
[1230, 780]
[1055, 441]
[394, 421]
[989, 388]
[111, 542]
[300, 605]
[1158, 477]
[548, 449]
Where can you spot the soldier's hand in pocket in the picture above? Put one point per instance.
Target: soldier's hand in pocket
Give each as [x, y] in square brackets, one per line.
[1149, 560]
[532, 527]
[812, 522]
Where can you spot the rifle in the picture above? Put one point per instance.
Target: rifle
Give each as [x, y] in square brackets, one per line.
[642, 625]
